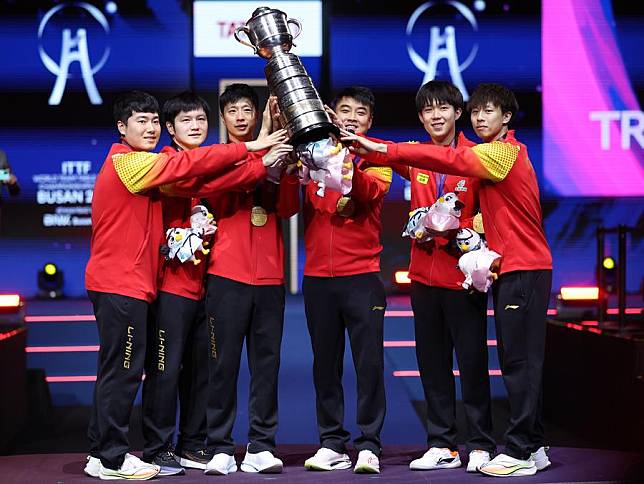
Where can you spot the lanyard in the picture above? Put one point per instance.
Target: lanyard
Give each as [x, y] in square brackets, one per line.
[440, 184]
[440, 178]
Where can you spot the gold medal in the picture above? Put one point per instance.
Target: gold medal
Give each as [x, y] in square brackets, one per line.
[345, 207]
[258, 216]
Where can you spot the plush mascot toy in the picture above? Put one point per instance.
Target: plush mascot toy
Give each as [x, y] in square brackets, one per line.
[476, 260]
[201, 218]
[327, 164]
[183, 244]
[443, 215]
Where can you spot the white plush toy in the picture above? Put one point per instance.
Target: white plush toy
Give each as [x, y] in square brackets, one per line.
[414, 227]
[184, 243]
[476, 260]
[328, 164]
[443, 215]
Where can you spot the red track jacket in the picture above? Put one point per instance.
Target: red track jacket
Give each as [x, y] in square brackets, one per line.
[187, 279]
[127, 220]
[344, 246]
[509, 202]
[246, 253]
[433, 263]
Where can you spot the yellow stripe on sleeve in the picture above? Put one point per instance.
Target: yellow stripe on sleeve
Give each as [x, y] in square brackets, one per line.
[383, 173]
[134, 169]
[497, 158]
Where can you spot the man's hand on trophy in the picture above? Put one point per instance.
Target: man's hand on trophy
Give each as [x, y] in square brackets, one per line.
[276, 114]
[277, 155]
[359, 144]
[267, 120]
[334, 117]
[265, 142]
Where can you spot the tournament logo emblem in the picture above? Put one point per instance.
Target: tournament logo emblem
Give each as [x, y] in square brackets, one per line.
[442, 44]
[73, 48]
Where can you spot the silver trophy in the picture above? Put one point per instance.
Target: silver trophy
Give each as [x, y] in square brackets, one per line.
[302, 110]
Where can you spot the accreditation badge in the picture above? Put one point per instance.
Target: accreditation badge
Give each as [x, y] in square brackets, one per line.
[258, 216]
[345, 207]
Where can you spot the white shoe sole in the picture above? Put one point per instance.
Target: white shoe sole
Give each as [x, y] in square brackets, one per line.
[366, 469]
[530, 471]
[91, 473]
[191, 464]
[119, 477]
[475, 468]
[311, 466]
[274, 469]
[421, 467]
[219, 472]
[170, 472]
[542, 464]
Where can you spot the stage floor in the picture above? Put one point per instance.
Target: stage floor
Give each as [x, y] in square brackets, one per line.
[568, 465]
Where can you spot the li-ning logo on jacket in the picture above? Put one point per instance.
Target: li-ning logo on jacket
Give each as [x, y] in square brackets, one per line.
[128, 347]
[460, 186]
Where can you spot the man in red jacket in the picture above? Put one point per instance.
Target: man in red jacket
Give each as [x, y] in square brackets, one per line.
[446, 316]
[121, 275]
[509, 198]
[245, 300]
[177, 333]
[343, 292]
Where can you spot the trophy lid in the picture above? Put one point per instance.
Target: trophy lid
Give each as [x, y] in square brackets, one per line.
[263, 11]
[260, 10]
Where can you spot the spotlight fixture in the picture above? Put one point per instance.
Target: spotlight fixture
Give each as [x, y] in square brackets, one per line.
[50, 282]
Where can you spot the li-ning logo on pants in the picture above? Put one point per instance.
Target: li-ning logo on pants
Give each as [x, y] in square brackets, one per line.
[161, 351]
[129, 343]
[441, 46]
[211, 334]
[73, 49]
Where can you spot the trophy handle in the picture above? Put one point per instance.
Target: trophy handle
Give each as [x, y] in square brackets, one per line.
[297, 23]
[243, 28]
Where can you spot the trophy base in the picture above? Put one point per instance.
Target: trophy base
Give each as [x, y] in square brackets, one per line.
[314, 132]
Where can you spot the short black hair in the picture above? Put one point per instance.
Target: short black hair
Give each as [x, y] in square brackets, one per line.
[439, 92]
[497, 95]
[363, 95]
[235, 92]
[134, 102]
[184, 102]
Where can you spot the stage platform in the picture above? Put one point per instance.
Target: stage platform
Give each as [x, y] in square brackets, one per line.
[568, 465]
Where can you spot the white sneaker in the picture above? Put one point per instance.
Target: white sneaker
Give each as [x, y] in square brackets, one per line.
[263, 462]
[477, 459]
[505, 466]
[327, 460]
[93, 466]
[220, 465]
[367, 463]
[133, 469]
[540, 458]
[436, 458]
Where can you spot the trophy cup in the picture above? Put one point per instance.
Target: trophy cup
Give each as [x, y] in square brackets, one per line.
[302, 110]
